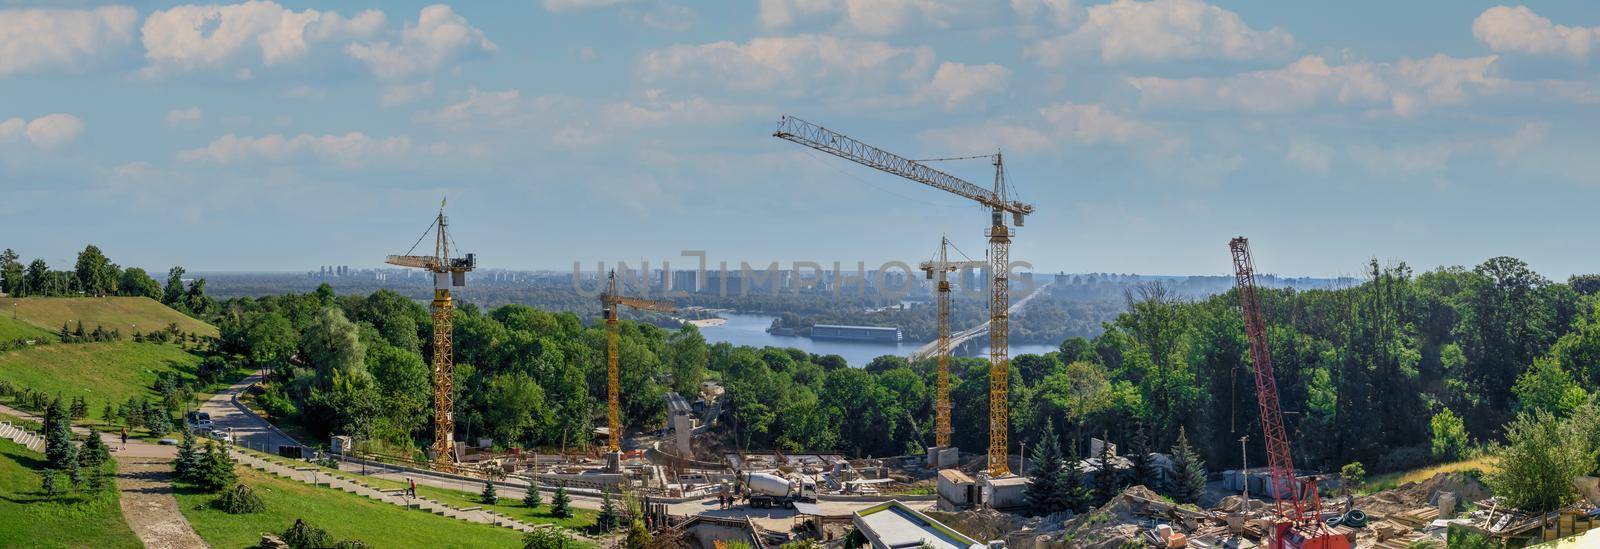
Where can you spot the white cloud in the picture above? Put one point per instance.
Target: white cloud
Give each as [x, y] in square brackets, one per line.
[1058, 124]
[1405, 87]
[872, 17]
[1010, 136]
[956, 84]
[439, 36]
[351, 149]
[46, 132]
[401, 94]
[501, 109]
[791, 65]
[1091, 124]
[1520, 30]
[1131, 31]
[36, 39]
[1431, 157]
[195, 37]
[581, 5]
[656, 111]
[184, 118]
[1059, 13]
[669, 17]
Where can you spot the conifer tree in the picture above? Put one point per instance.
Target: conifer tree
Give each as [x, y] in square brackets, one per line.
[1045, 469]
[561, 505]
[1107, 479]
[215, 469]
[608, 512]
[1144, 468]
[489, 496]
[1072, 485]
[187, 463]
[47, 482]
[532, 499]
[1190, 483]
[58, 448]
[93, 457]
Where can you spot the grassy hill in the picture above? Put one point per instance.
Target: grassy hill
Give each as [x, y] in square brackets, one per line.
[121, 313]
[30, 519]
[343, 515]
[100, 372]
[12, 330]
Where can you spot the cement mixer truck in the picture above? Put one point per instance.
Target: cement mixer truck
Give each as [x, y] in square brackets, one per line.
[764, 490]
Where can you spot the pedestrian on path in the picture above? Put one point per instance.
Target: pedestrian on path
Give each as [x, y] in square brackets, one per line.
[124, 438]
[413, 483]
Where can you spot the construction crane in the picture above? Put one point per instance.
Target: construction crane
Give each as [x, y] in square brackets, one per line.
[447, 272]
[610, 302]
[1299, 523]
[998, 202]
[939, 269]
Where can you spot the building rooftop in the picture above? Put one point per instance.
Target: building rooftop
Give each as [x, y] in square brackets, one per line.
[955, 476]
[893, 525]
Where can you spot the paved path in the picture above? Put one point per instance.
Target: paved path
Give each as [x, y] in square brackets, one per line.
[144, 485]
[248, 429]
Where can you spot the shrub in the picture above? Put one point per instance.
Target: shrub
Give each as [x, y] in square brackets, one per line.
[546, 538]
[239, 500]
[305, 536]
[1449, 434]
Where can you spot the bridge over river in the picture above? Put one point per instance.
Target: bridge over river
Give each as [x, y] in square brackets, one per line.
[958, 338]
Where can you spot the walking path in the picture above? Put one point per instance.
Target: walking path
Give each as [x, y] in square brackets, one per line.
[144, 484]
[320, 477]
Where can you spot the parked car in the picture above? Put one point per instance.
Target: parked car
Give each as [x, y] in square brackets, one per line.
[198, 422]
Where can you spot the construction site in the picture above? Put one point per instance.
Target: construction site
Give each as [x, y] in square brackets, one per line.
[948, 496]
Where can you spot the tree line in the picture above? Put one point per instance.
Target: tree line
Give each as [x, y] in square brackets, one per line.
[95, 275]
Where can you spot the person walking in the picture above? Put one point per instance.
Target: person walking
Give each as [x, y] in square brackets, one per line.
[413, 483]
[124, 438]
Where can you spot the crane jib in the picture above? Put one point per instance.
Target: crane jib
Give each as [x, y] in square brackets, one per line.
[840, 145]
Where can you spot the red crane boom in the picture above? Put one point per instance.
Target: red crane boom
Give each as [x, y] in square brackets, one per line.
[1301, 520]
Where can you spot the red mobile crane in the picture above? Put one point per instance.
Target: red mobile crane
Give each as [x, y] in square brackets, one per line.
[1299, 524]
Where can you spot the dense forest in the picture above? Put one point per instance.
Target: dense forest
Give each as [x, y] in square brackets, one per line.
[1395, 371]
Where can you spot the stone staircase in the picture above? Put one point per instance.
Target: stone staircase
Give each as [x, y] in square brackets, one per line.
[321, 477]
[21, 436]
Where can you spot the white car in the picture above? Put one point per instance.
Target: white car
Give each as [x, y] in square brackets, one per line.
[221, 435]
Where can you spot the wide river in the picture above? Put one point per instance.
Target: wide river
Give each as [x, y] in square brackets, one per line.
[751, 329]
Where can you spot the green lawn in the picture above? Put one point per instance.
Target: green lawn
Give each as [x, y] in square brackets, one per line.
[30, 519]
[100, 372]
[581, 519]
[128, 314]
[12, 330]
[343, 515]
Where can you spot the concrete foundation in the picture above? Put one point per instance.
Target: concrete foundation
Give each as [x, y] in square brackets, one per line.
[613, 462]
[942, 457]
[1005, 492]
[957, 491]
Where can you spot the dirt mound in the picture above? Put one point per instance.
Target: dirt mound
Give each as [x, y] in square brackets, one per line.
[1114, 524]
[983, 524]
[1412, 495]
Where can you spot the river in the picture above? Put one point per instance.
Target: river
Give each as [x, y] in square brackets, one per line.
[751, 330]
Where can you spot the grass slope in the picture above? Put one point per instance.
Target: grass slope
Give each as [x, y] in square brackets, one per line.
[343, 515]
[29, 519]
[1396, 479]
[100, 372]
[12, 330]
[121, 313]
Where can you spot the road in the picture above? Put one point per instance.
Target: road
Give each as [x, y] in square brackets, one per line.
[248, 429]
[956, 339]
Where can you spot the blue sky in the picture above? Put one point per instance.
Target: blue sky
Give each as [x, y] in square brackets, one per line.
[266, 136]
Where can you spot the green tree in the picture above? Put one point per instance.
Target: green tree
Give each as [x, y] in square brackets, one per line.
[561, 505]
[12, 274]
[1072, 485]
[1107, 478]
[58, 448]
[137, 282]
[489, 496]
[1190, 483]
[607, 519]
[1449, 434]
[1352, 475]
[1046, 469]
[47, 483]
[333, 344]
[267, 340]
[1534, 470]
[187, 464]
[546, 538]
[172, 296]
[1144, 468]
[95, 274]
[531, 499]
[215, 470]
[1546, 387]
[36, 278]
[638, 536]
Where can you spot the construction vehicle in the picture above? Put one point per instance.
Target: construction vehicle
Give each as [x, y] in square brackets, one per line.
[610, 303]
[939, 269]
[448, 272]
[766, 490]
[1298, 524]
[998, 202]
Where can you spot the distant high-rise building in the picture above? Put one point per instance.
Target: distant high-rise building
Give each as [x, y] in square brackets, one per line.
[685, 281]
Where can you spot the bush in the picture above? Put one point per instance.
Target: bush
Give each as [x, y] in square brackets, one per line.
[239, 500]
[305, 536]
[1535, 468]
[546, 538]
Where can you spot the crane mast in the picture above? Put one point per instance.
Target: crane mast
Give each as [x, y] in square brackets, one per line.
[1301, 522]
[999, 234]
[939, 269]
[610, 303]
[447, 272]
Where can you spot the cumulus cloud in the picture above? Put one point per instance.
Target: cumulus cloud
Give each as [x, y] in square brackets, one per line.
[351, 149]
[655, 110]
[581, 5]
[46, 132]
[1054, 125]
[401, 94]
[792, 65]
[1404, 88]
[194, 37]
[500, 109]
[184, 118]
[956, 84]
[1132, 31]
[1059, 13]
[37, 39]
[1520, 30]
[874, 17]
[438, 37]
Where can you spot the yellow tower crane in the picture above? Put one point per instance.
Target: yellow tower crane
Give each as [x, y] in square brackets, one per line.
[998, 202]
[610, 302]
[939, 269]
[447, 272]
